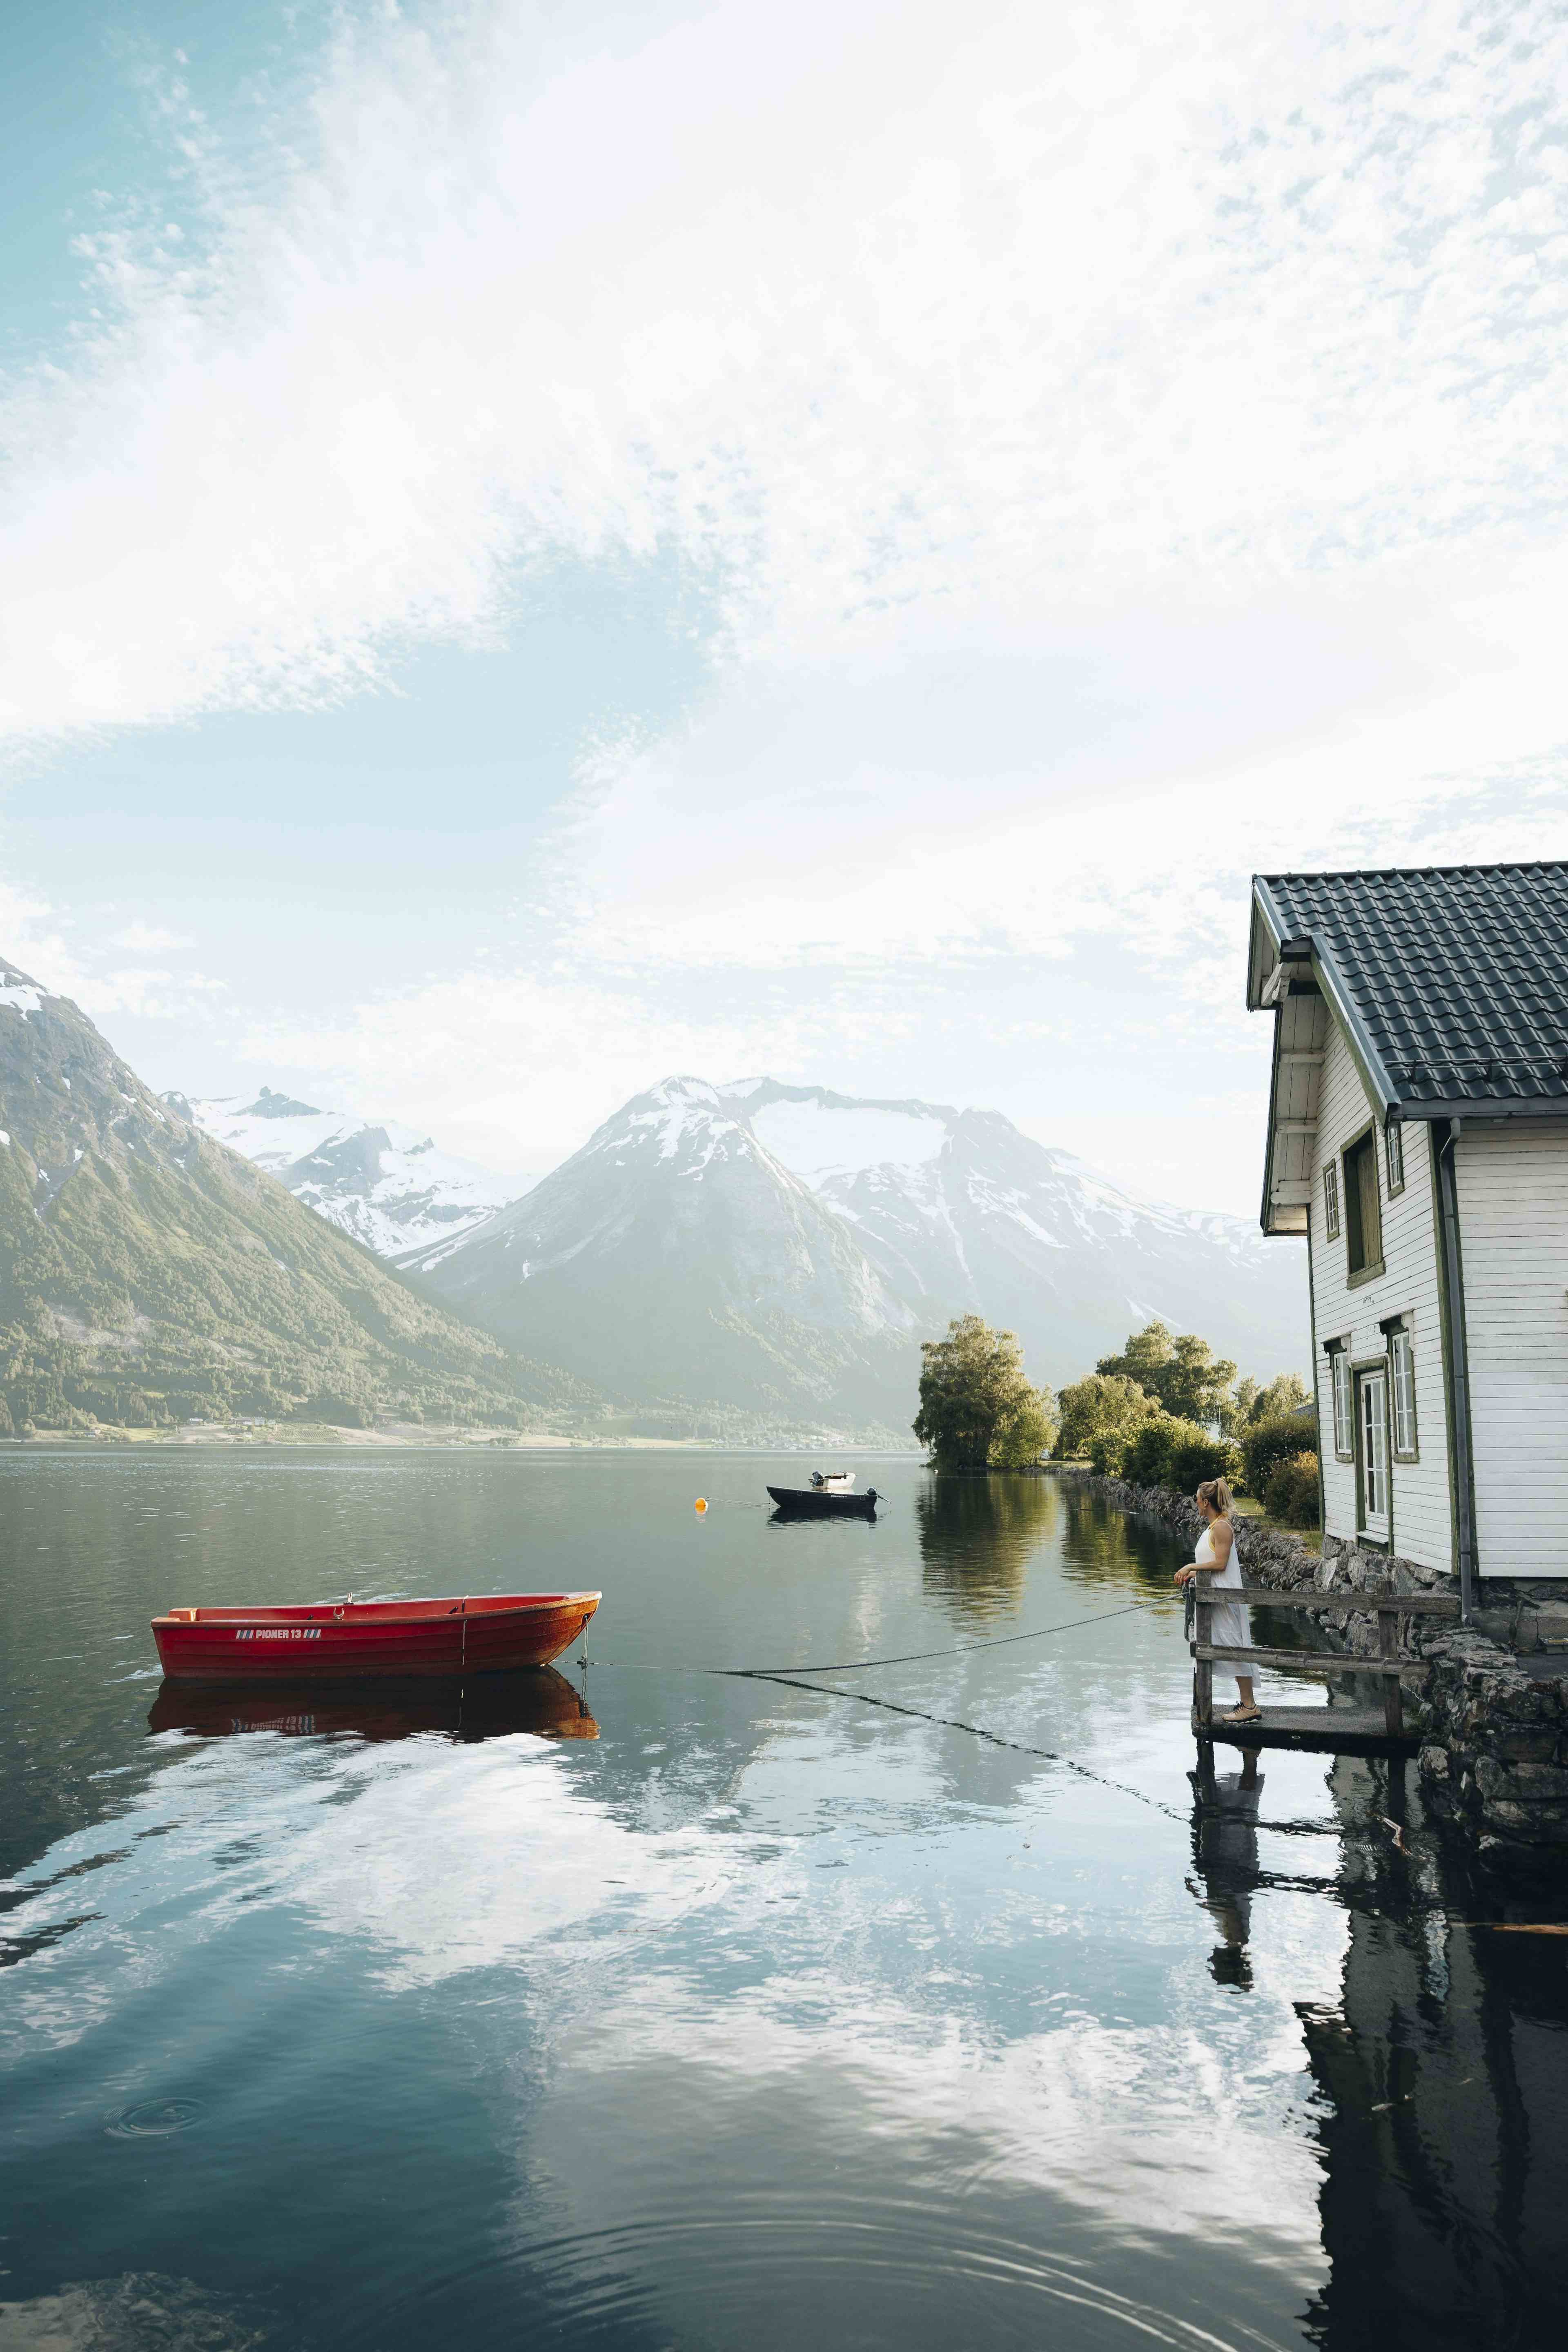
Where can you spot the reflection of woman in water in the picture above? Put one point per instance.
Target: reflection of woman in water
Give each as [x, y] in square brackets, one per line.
[1217, 1560]
[1224, 1846]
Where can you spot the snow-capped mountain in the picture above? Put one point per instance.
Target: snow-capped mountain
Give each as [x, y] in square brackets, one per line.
[678, 1254]
[385, 1185]
[787, 1246]
[960, 1209]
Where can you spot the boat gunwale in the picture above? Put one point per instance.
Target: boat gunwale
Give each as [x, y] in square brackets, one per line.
[425, 1611]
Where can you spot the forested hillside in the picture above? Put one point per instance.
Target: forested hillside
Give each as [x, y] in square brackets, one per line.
[147, 1274]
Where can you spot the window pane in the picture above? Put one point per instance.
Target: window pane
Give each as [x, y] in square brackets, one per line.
[1404, 1393]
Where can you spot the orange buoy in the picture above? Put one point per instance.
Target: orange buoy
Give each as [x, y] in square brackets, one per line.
[702, 1504]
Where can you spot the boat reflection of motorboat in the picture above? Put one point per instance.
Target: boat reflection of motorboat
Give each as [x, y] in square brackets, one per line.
[486, 1706]
[494, 1632]
[824, 1502]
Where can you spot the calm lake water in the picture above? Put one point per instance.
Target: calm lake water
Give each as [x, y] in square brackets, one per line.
[765, 2017]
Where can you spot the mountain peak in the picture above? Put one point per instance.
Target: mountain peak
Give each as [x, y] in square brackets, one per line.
[270, 1105]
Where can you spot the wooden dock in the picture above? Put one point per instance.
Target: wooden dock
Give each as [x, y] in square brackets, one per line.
[1334, 1729]
[1324, 1730]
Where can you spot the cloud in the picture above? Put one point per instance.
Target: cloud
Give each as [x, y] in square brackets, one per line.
[862, 306]
[1122, 450]
[147, 938]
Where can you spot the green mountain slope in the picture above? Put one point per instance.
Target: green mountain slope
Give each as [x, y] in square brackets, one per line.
[147, 1274]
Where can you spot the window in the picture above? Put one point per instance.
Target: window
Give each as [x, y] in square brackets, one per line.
[1394, 1138]
[1402, 1358]
[1344, 1440]
[1363, 1220]
[1332, 1198]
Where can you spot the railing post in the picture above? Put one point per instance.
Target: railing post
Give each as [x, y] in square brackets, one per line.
[1393, 1697]
[1202, 1673]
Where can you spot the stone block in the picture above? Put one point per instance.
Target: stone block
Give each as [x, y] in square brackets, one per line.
[1524, 1747]
[1434, 1764]
[1539, 1780]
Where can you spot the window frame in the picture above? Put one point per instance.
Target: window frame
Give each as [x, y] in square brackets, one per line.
[1393, 1156]
[1361, 1150]
[1401, 1374]
[1341, 1398]
[1332, 1198]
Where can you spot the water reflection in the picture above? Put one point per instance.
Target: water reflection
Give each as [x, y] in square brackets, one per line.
[1444, 2073]
[977, 1536]
[1224, 1853]
[489, 1707]
[766, 2015]
[1115, 1548]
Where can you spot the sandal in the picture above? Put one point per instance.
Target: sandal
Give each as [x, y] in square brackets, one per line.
[1243, 1715]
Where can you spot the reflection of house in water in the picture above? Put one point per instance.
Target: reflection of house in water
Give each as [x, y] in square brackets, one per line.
[1445, 2202]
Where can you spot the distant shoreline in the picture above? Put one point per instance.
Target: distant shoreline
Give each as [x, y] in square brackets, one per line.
[329, 1438]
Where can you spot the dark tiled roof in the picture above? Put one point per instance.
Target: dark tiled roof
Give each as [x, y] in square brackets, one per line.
[1458, 974]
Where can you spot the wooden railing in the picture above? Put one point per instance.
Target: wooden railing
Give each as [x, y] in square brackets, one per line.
[1388, 1607]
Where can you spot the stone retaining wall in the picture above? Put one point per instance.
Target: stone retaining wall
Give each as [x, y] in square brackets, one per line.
[1495, 1752]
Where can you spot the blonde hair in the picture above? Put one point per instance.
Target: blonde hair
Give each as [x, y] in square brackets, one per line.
[1214, 1491]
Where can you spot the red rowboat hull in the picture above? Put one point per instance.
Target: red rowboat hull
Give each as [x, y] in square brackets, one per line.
[342, 1641]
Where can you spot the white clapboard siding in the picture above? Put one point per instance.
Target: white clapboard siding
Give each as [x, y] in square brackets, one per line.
[1513, 1235]
[1423, 1528]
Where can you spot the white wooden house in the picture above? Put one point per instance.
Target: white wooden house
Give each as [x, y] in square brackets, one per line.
[1418, 1138]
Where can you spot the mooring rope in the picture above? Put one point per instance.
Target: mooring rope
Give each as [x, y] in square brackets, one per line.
[978, 1730]
[900, 1658]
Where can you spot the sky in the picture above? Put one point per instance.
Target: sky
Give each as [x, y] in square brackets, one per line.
[545, 546]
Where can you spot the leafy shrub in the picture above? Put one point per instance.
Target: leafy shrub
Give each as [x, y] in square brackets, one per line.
[1293, 1493]
[1199, 1455]
[1108, 1451]
[1277, 1439]
[1166, 1452]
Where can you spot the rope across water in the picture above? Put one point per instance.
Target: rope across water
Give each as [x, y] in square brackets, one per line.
[791, 1677]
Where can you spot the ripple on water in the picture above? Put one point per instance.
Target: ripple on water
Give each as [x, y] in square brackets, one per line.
[872, 2269]
[154, 2119]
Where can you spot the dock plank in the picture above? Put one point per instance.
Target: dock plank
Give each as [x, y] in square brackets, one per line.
[1328, 1730]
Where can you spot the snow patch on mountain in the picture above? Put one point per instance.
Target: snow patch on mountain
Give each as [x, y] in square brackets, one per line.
[384, 1183]
[819, 1138]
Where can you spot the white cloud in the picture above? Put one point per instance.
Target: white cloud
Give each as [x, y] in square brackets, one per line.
[147, 938]
[861, 306]
[1125, 450]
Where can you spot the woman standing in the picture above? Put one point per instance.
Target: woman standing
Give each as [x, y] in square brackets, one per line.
[1217, 1558]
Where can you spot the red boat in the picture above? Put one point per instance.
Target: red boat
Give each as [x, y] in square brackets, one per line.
[342, 1641]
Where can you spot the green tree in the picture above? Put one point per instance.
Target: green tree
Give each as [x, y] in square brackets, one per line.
[1144, 1360]
[1100, 1404]
[1286, 1393]
[1196, 1383]
[975, 1397]
[1023, 1434]
[1183, 1375]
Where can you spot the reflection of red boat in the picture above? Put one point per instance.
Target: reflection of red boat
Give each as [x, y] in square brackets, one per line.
[340, 1641]
[485, 1707]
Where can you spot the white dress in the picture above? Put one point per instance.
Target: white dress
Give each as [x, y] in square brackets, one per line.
[1230, 1626]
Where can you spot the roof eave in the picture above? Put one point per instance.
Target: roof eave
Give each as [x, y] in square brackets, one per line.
[1263, 944]
[1482, 1107]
